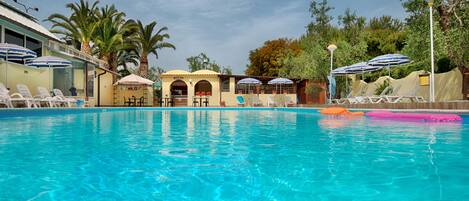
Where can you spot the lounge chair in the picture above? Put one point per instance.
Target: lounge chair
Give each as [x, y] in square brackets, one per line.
[24, 96]
[342, 100]
[5, 97]
[289, 102]
[46, 97]
[240, 101]
[270, 101]
[412, 96]
[255, 101]
[380, 98]
[280, 100]
[69, 101]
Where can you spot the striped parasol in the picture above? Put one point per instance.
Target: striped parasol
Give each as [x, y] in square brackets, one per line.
[12, 52]
[389, 60]
[49, 62]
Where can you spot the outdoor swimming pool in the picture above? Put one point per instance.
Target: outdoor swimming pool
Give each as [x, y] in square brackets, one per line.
[146, 154]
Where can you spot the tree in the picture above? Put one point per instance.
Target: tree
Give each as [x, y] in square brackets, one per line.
[79, 26]
[203, 62]
[149, 42]
[267, 60]
[384, 35]
[114, 36]
[353, 26]
[450, 31]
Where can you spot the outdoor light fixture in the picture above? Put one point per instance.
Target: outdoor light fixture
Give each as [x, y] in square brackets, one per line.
[432, 74]
[205, 61]
[331, 48]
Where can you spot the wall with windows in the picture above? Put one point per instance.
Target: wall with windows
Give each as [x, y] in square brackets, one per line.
[18, 35]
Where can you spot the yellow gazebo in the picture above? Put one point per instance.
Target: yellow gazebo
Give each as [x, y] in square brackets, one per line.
[133, 90]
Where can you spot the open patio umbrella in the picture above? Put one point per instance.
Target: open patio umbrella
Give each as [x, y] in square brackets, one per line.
[248, 82]
[362, 67]
[358, 68]
[280, 81]
[12, 52]
[49, 62]
[389, 61]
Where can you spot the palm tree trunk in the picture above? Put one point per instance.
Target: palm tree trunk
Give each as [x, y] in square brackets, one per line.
[85, 47]
[143, 69]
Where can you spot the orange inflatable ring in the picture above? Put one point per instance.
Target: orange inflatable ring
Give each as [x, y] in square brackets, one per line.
[340, 111]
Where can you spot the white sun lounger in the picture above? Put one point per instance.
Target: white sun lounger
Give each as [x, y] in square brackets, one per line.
[46, 97]
[24, 95]
[412, 97]
[5, 97]
[270, 101]
[69, 101]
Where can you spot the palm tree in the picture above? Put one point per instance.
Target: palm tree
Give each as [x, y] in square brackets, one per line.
[80, 26]
[114, 36]
[149, 43]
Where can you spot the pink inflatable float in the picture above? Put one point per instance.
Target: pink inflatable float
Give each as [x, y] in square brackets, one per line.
[426, 117]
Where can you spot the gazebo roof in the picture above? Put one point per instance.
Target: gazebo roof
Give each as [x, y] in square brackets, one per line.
[134, 80]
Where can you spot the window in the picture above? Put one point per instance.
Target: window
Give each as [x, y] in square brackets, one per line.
[14, 38]
[225, 85]
[90, 69]
[34, 45]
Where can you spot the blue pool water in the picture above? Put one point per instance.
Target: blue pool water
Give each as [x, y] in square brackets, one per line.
[228, 155]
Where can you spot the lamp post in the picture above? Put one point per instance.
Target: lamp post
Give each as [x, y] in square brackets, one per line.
[205, 63]
[331, 49]
[432, 74]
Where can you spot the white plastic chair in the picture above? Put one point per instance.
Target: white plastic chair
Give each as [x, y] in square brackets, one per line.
[46, 97]
[5, 97]
[270, 101]
[24, 95]
[69, 101]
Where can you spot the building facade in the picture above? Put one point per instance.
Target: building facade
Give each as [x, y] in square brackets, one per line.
[20, 28]
[221, 90]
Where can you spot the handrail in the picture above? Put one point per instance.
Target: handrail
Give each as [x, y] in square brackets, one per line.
[61, 47]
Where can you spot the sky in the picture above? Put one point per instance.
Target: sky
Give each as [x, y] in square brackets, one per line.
[226, 30]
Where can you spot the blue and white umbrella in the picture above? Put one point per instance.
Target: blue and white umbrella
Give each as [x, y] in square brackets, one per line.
[49, 62]
[279, 81]
[362, 67]
[389, 61]
[340, 71]
[248, 82]
[12, 52]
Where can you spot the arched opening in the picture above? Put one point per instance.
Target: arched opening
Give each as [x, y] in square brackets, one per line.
[203, 88]
[179, 93]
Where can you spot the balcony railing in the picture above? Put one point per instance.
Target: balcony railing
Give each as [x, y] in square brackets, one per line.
[64, 48]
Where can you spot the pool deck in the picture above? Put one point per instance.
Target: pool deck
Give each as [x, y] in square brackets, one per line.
[26, 111]
[452, 107]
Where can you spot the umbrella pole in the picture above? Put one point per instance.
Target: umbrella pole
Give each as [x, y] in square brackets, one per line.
[50, 80]
[6, 70]
[346, 84]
